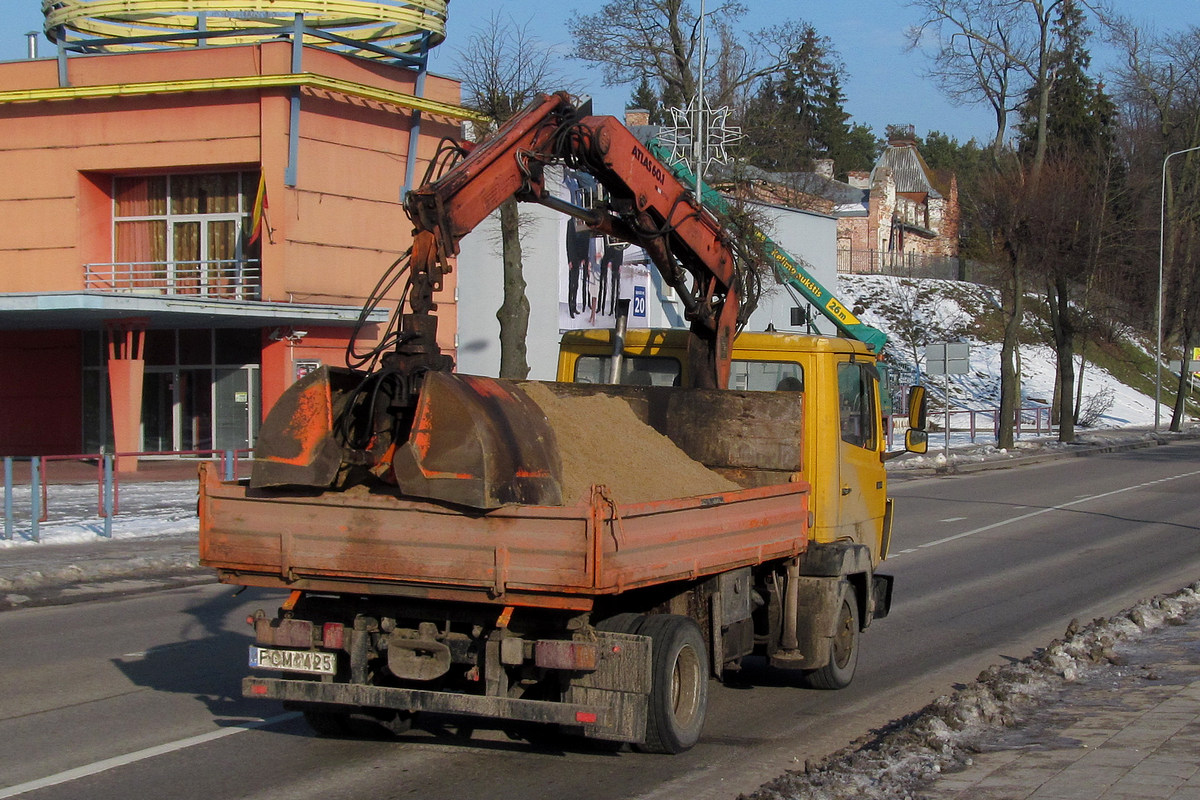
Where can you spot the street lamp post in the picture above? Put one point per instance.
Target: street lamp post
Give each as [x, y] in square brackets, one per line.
[1162, 225]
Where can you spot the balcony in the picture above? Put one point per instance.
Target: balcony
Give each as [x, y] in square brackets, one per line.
[227, 279]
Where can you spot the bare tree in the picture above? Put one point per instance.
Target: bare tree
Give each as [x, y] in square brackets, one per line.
[1159, 89]
[503, 68]
[972, 70]
[980, 45]
[1002, 207]
[659, 38]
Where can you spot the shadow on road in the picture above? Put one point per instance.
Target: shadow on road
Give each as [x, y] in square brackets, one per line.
[210, 658]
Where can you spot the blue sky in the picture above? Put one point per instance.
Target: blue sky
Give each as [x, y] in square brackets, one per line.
[886, 85]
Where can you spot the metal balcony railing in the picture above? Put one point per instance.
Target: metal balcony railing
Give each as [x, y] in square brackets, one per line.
[222, 279]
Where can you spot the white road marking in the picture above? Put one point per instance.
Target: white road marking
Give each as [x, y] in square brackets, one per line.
[140, 755]
[953, 519]
[1041, 511]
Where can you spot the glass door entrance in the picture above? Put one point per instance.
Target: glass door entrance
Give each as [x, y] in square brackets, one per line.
[185, 409]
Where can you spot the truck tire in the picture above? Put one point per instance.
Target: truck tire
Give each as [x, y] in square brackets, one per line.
[678, 684]
[621, 623]
[843, 655]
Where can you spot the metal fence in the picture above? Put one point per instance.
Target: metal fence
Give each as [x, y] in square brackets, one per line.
[37, 509]
[904, 265]
[970, 425]
[225, 279]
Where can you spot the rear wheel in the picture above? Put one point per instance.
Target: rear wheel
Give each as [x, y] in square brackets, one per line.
[843, 655]
[679, 683]
[620, 623]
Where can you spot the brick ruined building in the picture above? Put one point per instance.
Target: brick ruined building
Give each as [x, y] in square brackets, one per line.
[899, 211]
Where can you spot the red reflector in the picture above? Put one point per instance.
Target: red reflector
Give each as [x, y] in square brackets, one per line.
[258, 688]
[585, 716]
[332, 635]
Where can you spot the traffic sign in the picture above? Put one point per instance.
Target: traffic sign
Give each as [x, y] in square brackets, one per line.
[948, 358]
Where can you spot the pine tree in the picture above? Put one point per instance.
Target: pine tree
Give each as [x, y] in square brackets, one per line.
[645, 97]
[799, 114]
[1081, 116]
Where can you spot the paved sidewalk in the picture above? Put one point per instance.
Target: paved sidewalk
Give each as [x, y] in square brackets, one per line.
[1120, 732]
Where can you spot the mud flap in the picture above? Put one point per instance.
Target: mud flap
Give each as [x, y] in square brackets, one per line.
[478, 442]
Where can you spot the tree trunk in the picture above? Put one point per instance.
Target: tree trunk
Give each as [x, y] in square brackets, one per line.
[1181, 393]
[514, 312]
[1079, 379]
[1010, 376]
[1059, 296]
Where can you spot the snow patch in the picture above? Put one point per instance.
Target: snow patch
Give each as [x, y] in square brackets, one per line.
[942, 736]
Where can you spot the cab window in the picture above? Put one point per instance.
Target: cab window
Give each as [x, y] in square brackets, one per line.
[766, 376]
[635, 370]
[856, 397]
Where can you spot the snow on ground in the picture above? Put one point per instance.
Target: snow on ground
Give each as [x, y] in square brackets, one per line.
[944, 311]
[145, 510]
[900, 761]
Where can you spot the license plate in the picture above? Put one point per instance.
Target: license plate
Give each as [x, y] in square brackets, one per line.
[293, 660]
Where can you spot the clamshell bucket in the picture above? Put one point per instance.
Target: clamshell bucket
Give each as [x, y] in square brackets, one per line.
[296, 445]
[478, 442]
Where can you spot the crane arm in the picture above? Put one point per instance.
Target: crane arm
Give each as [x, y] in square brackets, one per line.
[648, 206]
[788, 268]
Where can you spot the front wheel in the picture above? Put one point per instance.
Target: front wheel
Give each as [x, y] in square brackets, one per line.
[843, 650]
[679, 683]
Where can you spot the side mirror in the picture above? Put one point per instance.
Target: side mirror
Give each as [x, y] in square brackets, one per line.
[916, 408]
[916, 441]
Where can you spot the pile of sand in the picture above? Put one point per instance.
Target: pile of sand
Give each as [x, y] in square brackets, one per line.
[601, 441]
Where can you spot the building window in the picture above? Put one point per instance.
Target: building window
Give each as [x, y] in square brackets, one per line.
[185, 234]
[200, 390]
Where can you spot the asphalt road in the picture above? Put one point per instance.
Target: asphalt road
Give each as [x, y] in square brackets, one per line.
[140, 697]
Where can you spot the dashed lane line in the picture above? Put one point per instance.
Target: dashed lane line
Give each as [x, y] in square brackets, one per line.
[1040, 511]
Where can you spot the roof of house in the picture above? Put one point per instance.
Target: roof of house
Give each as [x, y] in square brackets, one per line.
[909, 170]
[839, 194]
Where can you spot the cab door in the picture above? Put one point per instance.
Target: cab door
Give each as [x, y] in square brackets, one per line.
[863, 496]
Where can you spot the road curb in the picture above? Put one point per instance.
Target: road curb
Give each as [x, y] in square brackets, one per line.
[111, 587]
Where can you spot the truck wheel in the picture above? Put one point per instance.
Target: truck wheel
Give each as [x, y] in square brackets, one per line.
[678, 683]
[620, 623]
[327, 723]
[843, 650]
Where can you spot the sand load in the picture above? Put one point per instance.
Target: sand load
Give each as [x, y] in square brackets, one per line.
[602, 441]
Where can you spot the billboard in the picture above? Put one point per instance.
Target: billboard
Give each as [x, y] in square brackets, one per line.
[596, 271]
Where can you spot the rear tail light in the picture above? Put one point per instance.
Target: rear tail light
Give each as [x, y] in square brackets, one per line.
[333, 635]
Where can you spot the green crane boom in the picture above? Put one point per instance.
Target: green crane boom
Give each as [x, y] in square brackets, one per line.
[786, 266]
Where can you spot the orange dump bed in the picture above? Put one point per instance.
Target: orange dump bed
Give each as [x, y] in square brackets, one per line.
[545, 556]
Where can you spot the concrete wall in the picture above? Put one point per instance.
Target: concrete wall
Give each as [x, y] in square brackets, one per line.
[39, 393]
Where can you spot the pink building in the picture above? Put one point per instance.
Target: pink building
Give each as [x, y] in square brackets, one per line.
[138, 309]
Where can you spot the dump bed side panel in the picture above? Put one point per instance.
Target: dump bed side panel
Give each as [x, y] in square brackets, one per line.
[521, 555]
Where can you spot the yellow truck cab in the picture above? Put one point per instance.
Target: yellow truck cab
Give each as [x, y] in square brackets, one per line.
[837, 381]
